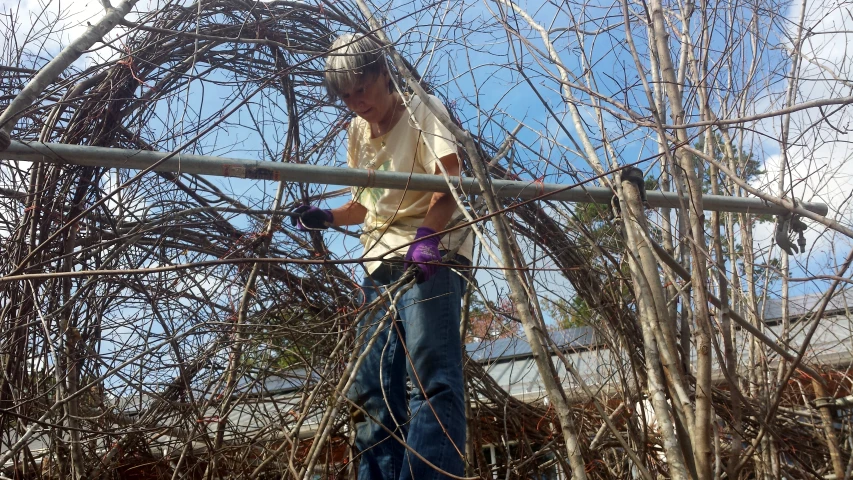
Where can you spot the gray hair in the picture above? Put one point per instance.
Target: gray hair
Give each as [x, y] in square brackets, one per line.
[352, 60]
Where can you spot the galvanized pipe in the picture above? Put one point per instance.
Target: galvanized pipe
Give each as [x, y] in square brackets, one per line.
[278, 171]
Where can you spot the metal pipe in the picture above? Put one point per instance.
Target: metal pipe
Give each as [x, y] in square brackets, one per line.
[278, 171]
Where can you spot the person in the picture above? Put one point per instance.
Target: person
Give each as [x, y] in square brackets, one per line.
[423, 343]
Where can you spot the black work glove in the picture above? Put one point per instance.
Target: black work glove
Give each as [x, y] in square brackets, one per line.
[311, 218]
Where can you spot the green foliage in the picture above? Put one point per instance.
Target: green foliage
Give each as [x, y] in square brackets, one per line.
[282, 339]
[748, 168]
[746, 165]
[569, 314]
[764, 274]
[651, 183]
[598, 221]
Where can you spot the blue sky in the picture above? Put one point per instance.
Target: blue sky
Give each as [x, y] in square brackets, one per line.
[466, 60]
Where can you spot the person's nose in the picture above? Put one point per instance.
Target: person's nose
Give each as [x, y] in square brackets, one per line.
[359, 101]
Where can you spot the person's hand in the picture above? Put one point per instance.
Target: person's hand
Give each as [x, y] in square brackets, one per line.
[424, 253]
[311, 218]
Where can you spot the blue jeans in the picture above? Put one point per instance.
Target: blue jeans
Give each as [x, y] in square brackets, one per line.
[422, 344]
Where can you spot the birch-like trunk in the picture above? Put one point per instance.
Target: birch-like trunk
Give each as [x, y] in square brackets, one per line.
[639, 257]
[56, 66]
[701, 433]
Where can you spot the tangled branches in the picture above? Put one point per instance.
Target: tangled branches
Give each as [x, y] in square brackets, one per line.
[237, 364]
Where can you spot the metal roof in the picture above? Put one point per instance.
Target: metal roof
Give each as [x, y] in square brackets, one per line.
[504, 348]
[266, 403]
[798, 306]
[509, 360]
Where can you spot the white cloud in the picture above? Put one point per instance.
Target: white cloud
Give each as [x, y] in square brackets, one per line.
[820, 146]
[44, 27]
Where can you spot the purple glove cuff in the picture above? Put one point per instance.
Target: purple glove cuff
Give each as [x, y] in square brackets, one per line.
[424, 232]
[424, 253]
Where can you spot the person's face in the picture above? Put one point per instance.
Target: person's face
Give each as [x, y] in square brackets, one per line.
[370, 100]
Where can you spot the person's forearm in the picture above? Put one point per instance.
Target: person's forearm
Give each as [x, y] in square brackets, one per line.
[351, 213]
[442, 207]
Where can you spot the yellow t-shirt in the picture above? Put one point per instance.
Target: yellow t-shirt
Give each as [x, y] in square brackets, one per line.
[393, 216]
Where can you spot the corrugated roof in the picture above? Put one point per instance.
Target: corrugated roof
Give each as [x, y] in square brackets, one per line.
[271, 399]
[284, 382]
[248, 386]
[502, 348]
[842, 300]
[520, 377]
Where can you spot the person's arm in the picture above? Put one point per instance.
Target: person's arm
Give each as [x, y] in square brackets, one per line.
[351, 213]
[442, 206]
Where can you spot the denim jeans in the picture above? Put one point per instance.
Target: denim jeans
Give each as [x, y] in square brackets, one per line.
[422, 344]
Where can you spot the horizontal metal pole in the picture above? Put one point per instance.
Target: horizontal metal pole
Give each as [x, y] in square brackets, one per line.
[291, 172]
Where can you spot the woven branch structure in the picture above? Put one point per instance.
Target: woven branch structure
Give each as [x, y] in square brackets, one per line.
[218, 344]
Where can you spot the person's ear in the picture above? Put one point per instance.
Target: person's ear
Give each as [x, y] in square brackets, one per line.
[388, 80]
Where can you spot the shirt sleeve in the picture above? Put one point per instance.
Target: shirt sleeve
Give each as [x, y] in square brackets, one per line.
[437, 141]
